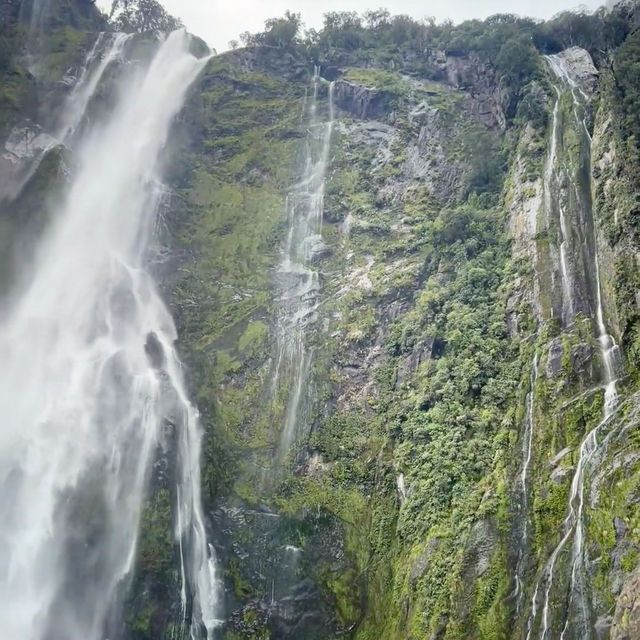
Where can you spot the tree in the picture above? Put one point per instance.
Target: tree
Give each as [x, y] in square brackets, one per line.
[627, 76]
[376, 19]
[342, 29]
[403, 29]
[141, 15]
[248, 39]
[342, 20]
[517, 60]
[282, 32]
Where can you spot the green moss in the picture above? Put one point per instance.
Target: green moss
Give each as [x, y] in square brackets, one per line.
[347, 599]
[252, 341]
[241, 587]
[62, 48]
[155, 552]
[378, 78]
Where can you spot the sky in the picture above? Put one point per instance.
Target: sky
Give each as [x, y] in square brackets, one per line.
[219, 21]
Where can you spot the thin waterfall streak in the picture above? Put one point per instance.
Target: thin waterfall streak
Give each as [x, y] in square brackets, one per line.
[574, 520]
[527, 447]
[571, 519]
[528, 441]
[74, 109]
[534, 610]
[608, 349]
[88, 82]
[183, 573]
[298, 279]
[550, 578]
[35, 13]
[550, 183]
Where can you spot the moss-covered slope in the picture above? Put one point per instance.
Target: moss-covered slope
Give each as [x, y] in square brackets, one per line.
[450, 390]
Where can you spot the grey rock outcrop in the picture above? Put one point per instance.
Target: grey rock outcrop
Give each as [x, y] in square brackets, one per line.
[578, 65]
[23, 152]
[486, 99]
[360, 101]
[626, 621]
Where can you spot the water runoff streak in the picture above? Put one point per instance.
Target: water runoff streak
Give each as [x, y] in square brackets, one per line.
[297, 278]
[108, 49]
[579, 624]
[90, 385]
[34, 13]
[527, 448]
[552, 179]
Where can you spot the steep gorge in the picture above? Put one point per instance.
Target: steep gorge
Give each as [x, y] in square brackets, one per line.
[405, 282]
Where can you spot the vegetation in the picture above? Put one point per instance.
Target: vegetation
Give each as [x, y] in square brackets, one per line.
[403, 503]
[507, 42]
[140, 16]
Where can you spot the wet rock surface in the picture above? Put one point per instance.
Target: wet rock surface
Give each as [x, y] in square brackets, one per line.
[626, 620]
[580, 67]
[360, 101]
[24, 150]
[270, 572]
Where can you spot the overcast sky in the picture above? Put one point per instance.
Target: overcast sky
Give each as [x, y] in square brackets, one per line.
[218, 21]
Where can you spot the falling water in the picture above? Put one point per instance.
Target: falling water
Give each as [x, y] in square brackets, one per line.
[107, 49]
[91, 385]
[551, 184]
[298, 279]
[608, 346]
[34, 13]
[573, 526]
[527, 446]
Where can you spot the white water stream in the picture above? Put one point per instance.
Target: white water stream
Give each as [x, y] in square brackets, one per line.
[551, 184]
[527, 449]
[107, 49]
[573, 527]
[297, 277]
[91, 385]
[34, 13]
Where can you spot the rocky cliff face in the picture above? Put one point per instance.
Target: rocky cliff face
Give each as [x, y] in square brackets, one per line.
[455, 477]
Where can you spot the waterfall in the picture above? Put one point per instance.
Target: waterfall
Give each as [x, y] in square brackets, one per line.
[34, 13]
[527, 447]
[551, 184]
[91, 385]
[298, 280]
[573, 526]
[107, 49]
[608, 346]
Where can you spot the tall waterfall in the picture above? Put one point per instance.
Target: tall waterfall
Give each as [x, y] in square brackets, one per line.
[297, 277]
[580, 625]
[527, 450]
[553, 174]
[91, 385]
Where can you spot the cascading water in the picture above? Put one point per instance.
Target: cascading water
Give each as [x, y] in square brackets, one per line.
[580, 626]
[527, 445]
[551, 182]
[298, 280]
[91, 385]
[108, 48]
[34, 13]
